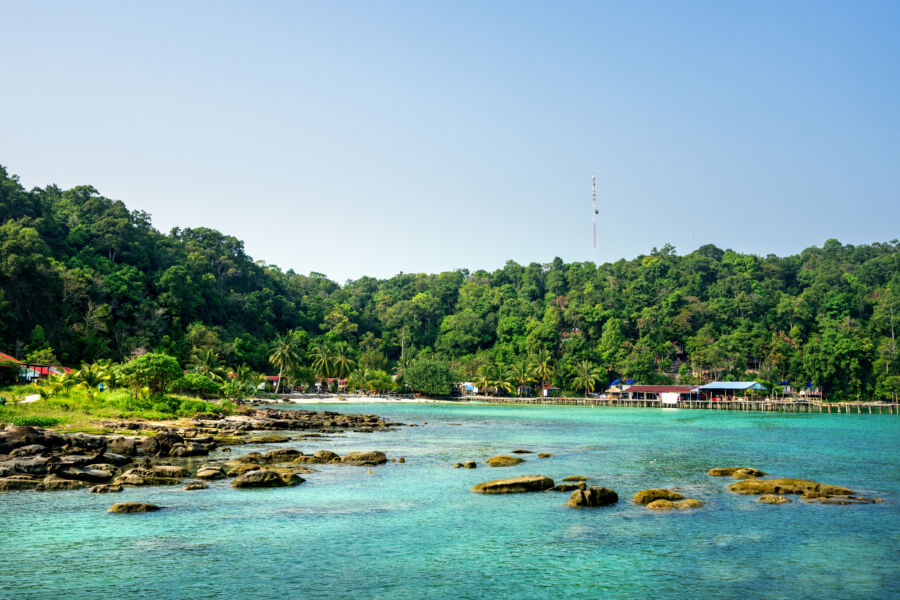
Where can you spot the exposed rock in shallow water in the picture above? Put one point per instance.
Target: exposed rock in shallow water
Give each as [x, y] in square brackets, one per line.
[53, 483]
[648, 496]
[266, 478]
[457, 466]
[844, 500]
[545, 455]
[83, 474]
[663, 504]
[326, 456]
[17, 483]
[133, 507]
[195, 485]
[592, 496]
[282, 455]
[105, 489]
[268, 439]
[210, 472]
[521, 451]
[365, 459]
[772, 499]
[153, 475]
[504, 461]
[515, 485]
[567, 487]
[736, 472]
[242, 468]
[787, 486]
[576, 478]
[470, 464]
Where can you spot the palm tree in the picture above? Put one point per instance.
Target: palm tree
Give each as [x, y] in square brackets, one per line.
[585, 376]
[285, 353]
[542, 367]
[90, 377]
[403, 364]
[520, 374]
[322, 359]
[483, 380]
[109, 370]
[343, 364]
[301, 374]
[206, 362]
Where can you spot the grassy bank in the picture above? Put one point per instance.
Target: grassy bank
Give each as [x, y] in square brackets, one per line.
[77, 410]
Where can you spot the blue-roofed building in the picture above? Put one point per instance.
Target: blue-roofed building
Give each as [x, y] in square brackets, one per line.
[728, 389]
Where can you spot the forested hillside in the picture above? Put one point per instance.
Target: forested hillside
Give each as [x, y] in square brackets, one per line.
[82, 278]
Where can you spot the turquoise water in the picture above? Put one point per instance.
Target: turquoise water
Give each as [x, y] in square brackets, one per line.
[414, 530]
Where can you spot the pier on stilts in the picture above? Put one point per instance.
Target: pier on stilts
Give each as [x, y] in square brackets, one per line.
[760, 405]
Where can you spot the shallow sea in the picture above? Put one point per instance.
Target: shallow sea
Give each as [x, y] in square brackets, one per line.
[414, 530]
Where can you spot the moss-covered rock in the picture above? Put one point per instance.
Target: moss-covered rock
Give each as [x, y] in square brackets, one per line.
[567, 487]
[736, 472]
[271, 438]
[504, 461]
[545, 455]
[772, 499]
[365, 459]
[240, 469]
[470, 464]
[54, 483]
[653, 494]
[195, 485]
[663, 504]
[16, 483]
[594, 495]
[787, 486]
[515, 485]
[576, 478]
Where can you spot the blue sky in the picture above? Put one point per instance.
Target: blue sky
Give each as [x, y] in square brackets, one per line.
[368, 138]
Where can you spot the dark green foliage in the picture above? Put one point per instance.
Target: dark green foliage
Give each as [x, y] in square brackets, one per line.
[36, 421]
[152, 371]
[196, 384]
[430, 377]
[84, 278]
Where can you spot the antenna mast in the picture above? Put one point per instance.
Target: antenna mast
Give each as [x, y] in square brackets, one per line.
[594, 196]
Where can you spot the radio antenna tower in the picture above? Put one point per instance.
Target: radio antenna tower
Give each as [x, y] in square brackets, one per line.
[594, 196]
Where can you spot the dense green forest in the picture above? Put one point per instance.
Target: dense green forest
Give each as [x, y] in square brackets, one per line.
[83, 278]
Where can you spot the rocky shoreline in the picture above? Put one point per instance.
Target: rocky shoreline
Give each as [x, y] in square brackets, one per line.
[32, 458]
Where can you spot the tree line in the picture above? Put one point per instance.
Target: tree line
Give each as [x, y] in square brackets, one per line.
[83, 278]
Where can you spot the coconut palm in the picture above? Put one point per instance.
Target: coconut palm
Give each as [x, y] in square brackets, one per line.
[585, 376]
[322, 359]
[285, 353]
[483, 380]
[520, 374]
[403, 364]
[542, 367]
[206, 363]
[343, 363]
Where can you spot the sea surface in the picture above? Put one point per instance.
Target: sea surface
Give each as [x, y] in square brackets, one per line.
[414, 530]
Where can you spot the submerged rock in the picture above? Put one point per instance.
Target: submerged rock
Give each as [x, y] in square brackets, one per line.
[545, 455]
[649, 496]
[515, 485]
[133, 507]
[504, 461]
[592, 496]
[787, 486]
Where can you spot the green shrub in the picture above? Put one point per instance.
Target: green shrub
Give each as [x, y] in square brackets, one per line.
[36, 421]
[196, 384]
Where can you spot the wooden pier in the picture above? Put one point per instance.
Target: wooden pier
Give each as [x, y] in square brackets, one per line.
[761, 405]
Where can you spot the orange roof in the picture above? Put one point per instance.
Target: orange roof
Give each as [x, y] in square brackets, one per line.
[8, 358]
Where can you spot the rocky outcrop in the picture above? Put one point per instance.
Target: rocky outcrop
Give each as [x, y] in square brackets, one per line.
[515, 485]
[266, 478]
[153, 475]
[211, 471]
[54, 483]
[133, 507]
[504, 461]
[787, 486]
[18, 483]
[282, 455]
[567, 487]
[592, 496]
[736, 472]
[648, 496]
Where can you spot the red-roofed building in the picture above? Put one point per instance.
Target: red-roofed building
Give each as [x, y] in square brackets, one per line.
[8, 358]
[652, 392]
